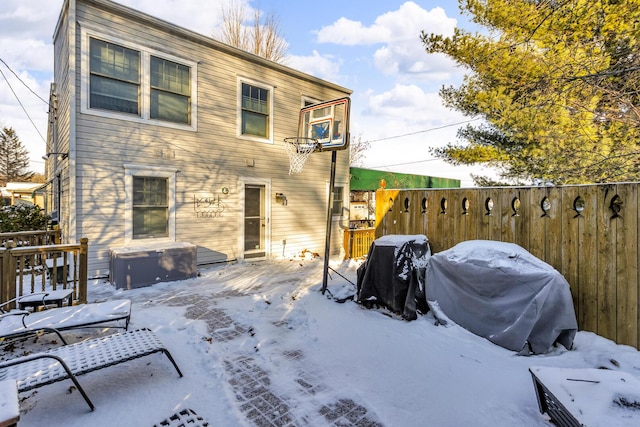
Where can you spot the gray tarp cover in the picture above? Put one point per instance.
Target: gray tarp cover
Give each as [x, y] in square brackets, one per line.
[502, 292]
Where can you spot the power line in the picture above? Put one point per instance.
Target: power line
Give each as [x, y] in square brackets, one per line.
[424, 130]
[415, 133]
[21, 81]
[406, 163]
[22, 106]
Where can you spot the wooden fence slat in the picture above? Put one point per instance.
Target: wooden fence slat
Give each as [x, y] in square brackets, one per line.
[457, 219]
[433, 221]
[586, 311]
[626, 268]
[554, 229]
[536, 221]
[569, 244]
[606, 267]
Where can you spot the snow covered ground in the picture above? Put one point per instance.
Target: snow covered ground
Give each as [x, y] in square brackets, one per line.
[258, 341]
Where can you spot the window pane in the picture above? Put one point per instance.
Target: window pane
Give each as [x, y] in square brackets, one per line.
[115, 77]
[113, 95]
[115, 61]
[150, 207]
[169, 107]
[254, 124]
[170, 76]
[255, 110]
[170, 91]
[336, 209]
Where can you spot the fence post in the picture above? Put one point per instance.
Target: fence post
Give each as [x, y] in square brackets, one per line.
[83, 270]
[8, 285]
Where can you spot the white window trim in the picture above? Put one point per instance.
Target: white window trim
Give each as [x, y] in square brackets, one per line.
[242, 182]
[145, 82]
[271, 90]
[345, 198]
[154, 171]
[305, 99]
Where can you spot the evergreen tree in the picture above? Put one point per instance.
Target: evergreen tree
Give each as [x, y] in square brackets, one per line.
[557, 84]
[14, 158]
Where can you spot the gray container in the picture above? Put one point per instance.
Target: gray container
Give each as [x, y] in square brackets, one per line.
[136, 267]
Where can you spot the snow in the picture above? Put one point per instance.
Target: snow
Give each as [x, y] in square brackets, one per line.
[271, 316]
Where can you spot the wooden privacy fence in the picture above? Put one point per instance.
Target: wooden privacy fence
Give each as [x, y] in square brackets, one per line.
[589, 233]
[26, 270]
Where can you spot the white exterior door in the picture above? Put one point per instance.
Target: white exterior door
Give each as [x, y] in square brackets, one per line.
[255, 223]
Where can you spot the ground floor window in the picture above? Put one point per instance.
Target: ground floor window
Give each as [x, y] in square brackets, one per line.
[149, 203]
[150, 207]
[338, 203]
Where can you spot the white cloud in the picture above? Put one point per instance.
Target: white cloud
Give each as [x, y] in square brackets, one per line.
[399, 33]
[198, 16]
[322, 66]
[347, 32]
[411, 106]
[399, 25]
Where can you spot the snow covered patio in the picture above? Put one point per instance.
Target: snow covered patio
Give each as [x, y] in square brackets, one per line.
[260, 345]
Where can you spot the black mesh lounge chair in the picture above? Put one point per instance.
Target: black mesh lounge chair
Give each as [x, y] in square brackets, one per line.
[20, 323]
[71, 361]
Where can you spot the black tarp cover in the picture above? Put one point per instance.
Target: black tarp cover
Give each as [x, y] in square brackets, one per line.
[393, 275]
[500, 291]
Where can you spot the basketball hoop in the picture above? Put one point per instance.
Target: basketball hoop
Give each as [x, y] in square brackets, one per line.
[298, 149]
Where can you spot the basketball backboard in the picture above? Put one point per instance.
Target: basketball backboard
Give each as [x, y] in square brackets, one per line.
[327, 122]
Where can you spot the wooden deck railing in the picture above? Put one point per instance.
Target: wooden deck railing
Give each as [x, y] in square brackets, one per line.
[357, 242]
[31, 238]
[26, 270]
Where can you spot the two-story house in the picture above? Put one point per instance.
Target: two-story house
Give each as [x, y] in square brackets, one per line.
[159, 135]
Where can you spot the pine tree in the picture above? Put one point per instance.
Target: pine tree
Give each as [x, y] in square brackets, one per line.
[14, 158]
[556, 83]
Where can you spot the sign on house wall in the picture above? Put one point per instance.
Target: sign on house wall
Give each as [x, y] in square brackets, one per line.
[208, 205]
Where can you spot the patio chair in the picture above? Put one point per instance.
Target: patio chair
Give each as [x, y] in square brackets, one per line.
[71, 361]
[21, 323]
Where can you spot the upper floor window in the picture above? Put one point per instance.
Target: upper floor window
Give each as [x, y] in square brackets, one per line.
[255, 110]
[127, 81]
[254, 119]
[170, 91]
[115, 77]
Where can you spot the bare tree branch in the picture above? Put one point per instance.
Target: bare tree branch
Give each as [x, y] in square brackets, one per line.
[263, 37]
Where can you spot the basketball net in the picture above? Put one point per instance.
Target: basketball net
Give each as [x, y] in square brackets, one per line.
[298, 149]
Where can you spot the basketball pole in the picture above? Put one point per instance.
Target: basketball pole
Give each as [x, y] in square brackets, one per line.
[327, 244]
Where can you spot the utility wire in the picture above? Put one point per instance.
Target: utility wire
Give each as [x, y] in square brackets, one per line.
[21, 81]
[22, 106]
[415, 133]
[405, 163]
[424, 130]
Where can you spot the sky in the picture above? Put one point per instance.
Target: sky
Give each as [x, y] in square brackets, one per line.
[304, 352]
[371, 47]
